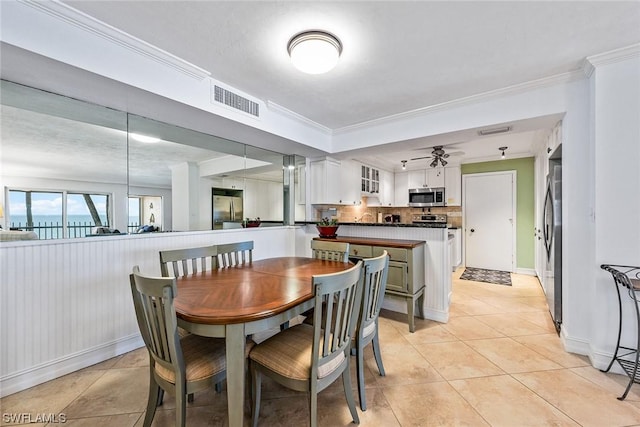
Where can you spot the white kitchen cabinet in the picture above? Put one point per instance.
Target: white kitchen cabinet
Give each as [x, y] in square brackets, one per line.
[401, 189]
[233, 182]
[416, 179]
[453, 185]
[435, 177]
[334, 182]
[369, 180]
[387, 188]
[430, 177]
[325, 181]
[349, 191]
[385, 194]
[455, 248]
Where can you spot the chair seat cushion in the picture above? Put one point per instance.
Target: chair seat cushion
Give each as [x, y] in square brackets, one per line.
[289, 354]
[369, 329]
[203, 358]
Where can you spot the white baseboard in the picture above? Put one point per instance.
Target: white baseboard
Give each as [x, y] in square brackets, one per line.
[599, 359]
[22, 380]
[526, 271]
[437, 315]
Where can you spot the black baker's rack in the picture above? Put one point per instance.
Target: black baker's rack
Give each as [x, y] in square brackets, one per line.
[627, 279]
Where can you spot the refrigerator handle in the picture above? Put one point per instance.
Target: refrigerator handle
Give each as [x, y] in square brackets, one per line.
[233, 212]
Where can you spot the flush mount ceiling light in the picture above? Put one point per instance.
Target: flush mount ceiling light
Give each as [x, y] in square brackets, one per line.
[144, 138]
[314, 52]
[503, 150]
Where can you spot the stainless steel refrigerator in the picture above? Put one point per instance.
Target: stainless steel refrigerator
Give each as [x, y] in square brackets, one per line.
[553, 237]
[227, 208]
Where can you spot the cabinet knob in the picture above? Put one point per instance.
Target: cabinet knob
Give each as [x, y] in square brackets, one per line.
[473, 229]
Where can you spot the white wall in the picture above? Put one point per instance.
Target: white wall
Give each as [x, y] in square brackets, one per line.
[616, 109]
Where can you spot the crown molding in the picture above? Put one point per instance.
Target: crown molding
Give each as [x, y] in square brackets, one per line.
[485, 96]
[613, 56]
[89, 24]
[297, 117]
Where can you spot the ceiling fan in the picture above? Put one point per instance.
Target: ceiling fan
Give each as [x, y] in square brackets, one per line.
[438, 155]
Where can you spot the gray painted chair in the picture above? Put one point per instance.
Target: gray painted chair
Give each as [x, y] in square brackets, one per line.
[182, 262]
[310, 358]
[180, 366]
[375, 282]
[332, 251]
[233, 254]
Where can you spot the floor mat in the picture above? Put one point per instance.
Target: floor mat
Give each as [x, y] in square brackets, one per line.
[490, 276]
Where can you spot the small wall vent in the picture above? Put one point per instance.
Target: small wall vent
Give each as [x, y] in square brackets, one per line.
[236, 101]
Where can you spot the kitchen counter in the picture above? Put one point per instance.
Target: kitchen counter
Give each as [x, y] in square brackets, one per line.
[384, 224]
[373, 241]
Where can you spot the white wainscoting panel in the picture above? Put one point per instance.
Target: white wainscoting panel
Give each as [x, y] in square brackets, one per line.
[66, 304]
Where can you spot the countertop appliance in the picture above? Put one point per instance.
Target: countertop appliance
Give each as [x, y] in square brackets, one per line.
[227, 208]
[426, 197]
[392, 218]
[552, 231]
[417, 219]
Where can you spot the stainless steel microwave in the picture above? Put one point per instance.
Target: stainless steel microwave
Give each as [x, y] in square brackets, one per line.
[426, 197]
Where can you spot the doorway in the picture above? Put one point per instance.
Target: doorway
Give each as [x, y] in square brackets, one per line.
[489, 216]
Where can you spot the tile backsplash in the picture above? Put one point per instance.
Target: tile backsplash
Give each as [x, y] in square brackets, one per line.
[364, 213]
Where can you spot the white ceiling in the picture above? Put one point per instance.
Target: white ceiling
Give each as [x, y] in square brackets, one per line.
[397, 57]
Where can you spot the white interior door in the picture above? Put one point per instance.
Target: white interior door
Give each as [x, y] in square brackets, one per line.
[489, 220]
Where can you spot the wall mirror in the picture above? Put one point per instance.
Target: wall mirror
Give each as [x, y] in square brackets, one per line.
[137, 173]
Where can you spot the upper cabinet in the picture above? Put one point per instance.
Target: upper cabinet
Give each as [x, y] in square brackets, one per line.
[430, 177]
[369, 180]
[401, 189]
[453, 186]
[334, 182]
[383, 183]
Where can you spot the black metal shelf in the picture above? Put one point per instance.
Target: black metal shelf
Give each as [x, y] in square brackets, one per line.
[626, 278]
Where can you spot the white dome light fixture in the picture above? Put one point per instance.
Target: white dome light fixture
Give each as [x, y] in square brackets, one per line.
[314, 52]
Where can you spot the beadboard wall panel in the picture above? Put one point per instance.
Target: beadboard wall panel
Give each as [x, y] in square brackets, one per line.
[437, 262]
[66, 304]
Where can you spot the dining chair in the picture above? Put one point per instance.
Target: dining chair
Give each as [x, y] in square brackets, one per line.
[310, 358]
[178, 365]
[332, 251]
[188, 261]
[233, 254]
[375, 282]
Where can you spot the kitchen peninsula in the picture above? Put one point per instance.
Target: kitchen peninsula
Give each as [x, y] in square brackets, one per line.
[437, 268]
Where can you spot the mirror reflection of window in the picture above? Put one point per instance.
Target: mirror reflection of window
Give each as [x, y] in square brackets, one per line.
[56, 144]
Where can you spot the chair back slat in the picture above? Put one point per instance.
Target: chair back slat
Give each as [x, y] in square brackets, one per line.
[333, 329]
[153, 300]
[235, 254]
[187, 261]
[331, 251]
[375, 283]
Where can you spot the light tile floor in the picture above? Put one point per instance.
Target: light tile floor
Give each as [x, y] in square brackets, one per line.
[497, 362]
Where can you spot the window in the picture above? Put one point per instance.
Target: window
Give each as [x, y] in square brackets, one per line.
[58, 214]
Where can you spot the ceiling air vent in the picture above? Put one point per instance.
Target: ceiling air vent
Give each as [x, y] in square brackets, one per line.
[493, 131]
[236, 101]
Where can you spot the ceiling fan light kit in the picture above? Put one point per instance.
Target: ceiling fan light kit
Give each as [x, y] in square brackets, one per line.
[438, 155]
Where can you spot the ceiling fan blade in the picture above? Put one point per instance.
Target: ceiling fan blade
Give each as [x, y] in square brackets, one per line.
[456, 153]
[420, 158]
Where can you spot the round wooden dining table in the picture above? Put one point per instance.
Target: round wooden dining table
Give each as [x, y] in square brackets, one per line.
[238, 301]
